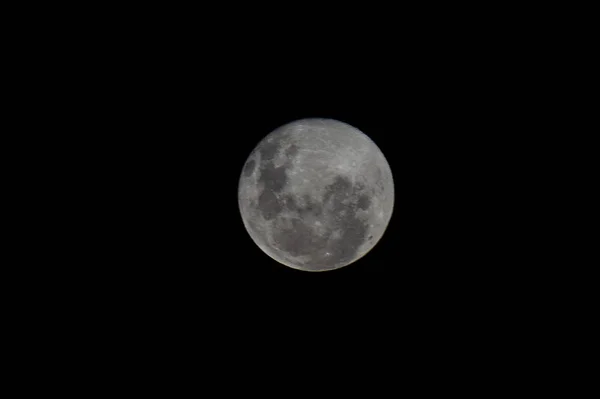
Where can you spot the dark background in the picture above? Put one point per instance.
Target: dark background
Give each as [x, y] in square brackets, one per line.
[174, 112]
[183, 125]
[180, 124]
[161, 114]
[136, 267]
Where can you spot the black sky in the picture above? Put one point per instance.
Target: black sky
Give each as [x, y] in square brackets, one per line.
[176, 112]
[181, 129]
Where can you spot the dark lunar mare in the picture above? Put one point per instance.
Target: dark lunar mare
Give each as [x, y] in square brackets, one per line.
[273, 179]
[249, 168]
[364, 202]
[269, 149]
[291, 151]
[300, 240]
[269, 204]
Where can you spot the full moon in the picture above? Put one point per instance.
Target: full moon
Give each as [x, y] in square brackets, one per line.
[316, 194]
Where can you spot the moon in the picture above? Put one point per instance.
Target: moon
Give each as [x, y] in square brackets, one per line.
[316, 194]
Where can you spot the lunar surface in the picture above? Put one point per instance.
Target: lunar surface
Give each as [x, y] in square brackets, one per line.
[316, 194]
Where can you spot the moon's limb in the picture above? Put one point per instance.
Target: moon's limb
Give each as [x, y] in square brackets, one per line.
[316, 194]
